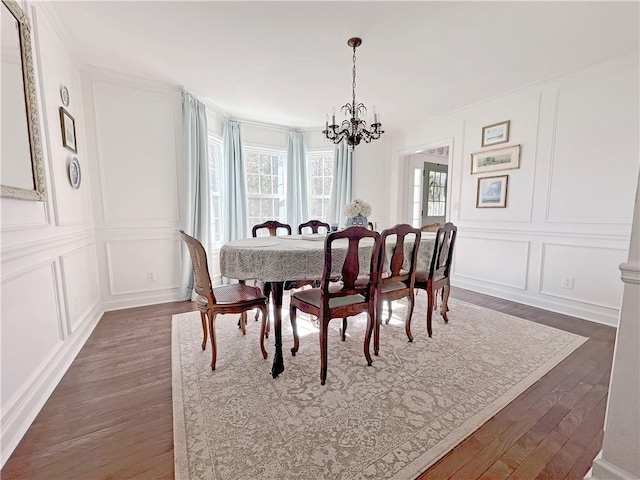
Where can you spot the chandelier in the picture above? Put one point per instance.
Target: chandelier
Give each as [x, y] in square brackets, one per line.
[354, 129]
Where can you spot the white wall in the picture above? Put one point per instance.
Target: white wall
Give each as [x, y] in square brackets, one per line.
[136, 158]
[49, 280]
[569, 205]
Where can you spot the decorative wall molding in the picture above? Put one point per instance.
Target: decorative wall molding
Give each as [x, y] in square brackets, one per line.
[525, 271]
[113, 290]
[604, 316]
[17, 417]
[164, 94]
[567, 297]
[613, 70]
[603, 470]
[630, 272]
[47, 244]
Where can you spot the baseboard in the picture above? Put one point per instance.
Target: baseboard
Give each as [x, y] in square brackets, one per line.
[588, 312]
[140, 301]
[18, 417]
[603, 470]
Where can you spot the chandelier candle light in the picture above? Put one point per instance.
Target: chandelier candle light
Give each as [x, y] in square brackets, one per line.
[354, 129]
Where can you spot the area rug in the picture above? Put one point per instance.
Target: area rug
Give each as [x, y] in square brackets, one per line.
[391, 420]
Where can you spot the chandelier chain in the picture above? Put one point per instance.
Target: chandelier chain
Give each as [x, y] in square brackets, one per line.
[353, 85]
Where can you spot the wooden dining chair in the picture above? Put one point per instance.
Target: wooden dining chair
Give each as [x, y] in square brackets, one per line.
[437, 277]
[236, 298]
[397, 273]
[272, 226]
[353, 295]
[314, 225]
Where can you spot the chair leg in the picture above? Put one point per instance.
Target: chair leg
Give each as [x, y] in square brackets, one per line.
[243, 323]
[430, 295]
[203, 318]
[212, 334]
[377, 321]
[407, 321]
[445, 299]
[294, 327]
[324, 327]
[263, 329]
[389, 302]
[372, 325]
[343, 331]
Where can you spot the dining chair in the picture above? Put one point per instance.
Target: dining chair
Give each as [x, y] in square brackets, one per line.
[397, 273]
[437, 277]
[432, 228]
[272, 226]
[211, 302]
[314, 225]
[354, 294]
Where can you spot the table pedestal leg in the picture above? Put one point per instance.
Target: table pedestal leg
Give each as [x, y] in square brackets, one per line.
[276, 294]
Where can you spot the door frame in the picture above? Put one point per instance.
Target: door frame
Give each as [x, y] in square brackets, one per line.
[407, 175]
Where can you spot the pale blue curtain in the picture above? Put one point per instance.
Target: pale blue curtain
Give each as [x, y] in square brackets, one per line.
[234, 190]
[196, 185]
[297, 180]
[342, 183]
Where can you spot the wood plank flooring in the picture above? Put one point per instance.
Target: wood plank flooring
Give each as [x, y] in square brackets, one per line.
[111, 415]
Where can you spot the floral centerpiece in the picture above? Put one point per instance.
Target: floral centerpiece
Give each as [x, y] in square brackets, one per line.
[357, 212]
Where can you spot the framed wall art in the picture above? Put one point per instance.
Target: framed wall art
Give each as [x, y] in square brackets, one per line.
[68, 125]
[505, 158]
[492, 192]
[496, 133]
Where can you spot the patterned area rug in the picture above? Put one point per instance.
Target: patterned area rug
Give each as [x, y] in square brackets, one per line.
[391, 420]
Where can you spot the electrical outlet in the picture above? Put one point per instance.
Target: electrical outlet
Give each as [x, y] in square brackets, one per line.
[151, 275]
[567, 282]
[76, 304]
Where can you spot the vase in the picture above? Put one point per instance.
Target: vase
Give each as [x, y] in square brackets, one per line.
[358, 220]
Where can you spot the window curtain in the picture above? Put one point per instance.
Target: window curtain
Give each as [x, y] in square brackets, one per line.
[196, 189]
[234, 196]
[341, 185]
[297, 180]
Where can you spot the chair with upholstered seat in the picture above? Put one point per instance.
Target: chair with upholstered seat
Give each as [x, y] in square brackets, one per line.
[314, 225]
[437, 277]
[353, 295]
[397, 273]
[211, 302]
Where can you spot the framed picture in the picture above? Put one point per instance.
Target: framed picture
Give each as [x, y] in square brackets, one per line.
[496, 133]
[68, 125]
[505, 158]
[492, 192]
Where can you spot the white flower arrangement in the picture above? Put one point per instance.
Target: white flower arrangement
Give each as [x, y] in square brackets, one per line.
[357, 207]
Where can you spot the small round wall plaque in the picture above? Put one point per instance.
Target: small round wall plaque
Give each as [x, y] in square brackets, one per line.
[74, 173]
[64, 95]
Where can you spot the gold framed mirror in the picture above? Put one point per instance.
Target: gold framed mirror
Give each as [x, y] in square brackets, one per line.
[22, 169]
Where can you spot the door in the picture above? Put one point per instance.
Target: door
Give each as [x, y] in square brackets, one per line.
[434, 193]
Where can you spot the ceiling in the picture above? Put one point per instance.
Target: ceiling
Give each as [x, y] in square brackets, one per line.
[288, 63]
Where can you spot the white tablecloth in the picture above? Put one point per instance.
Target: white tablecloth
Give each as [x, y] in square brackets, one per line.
[298, 257]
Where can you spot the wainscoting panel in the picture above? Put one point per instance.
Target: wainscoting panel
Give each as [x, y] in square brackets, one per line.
[586, 274]
[136, 149]
[492, 260]
[81, 291]
[142, 266]
[600, 174]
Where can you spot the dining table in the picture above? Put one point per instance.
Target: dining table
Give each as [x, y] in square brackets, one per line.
[280, 259]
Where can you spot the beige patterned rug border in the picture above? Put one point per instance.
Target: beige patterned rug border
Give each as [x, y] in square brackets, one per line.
[415, 467]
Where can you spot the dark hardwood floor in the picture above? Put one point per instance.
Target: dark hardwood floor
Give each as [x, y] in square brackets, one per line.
[111, 415]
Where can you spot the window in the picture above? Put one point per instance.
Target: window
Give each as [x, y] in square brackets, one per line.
[265, 185]
[215, 189]
[416, 210]
[320, 178]
[437, 193]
